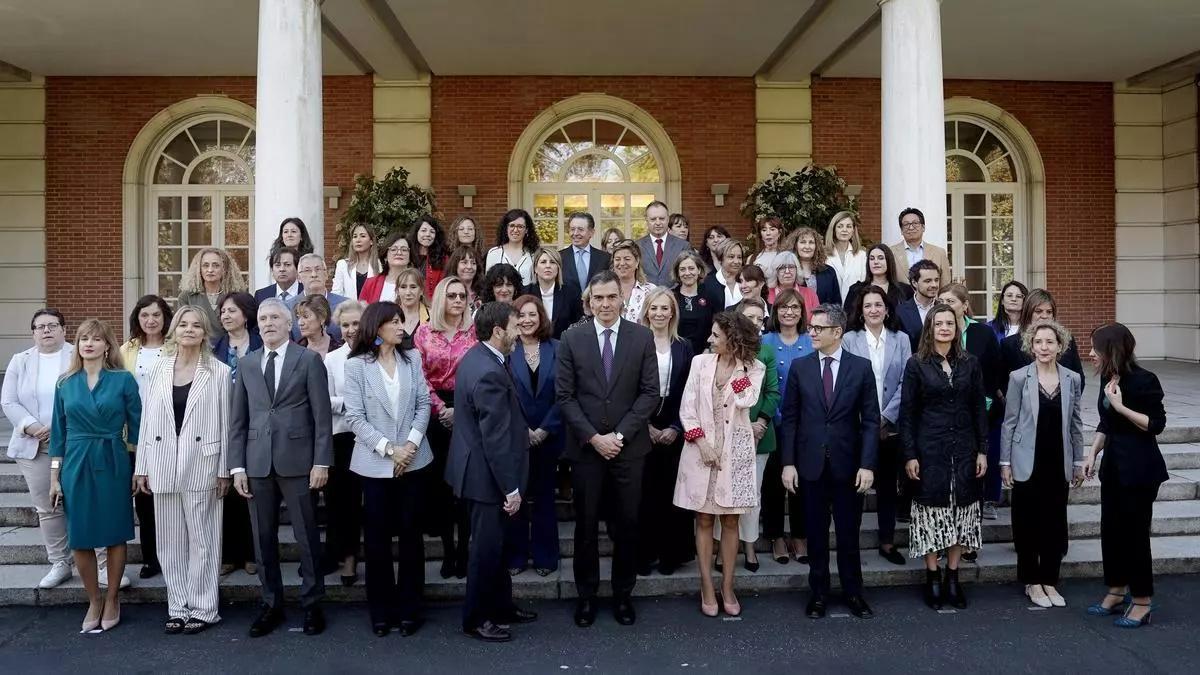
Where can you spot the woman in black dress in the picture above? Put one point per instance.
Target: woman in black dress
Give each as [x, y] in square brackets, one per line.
[1039, 306]
[697, 303]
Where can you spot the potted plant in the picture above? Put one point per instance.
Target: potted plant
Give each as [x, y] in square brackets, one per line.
[809, 197]
[385, 204]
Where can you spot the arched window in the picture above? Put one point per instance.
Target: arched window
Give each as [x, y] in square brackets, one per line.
[596, 163]
[984, 211]
[201, 194]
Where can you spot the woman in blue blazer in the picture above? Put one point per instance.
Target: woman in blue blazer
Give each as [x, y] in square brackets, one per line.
[873, 332]
[560, 300]
[533, 534]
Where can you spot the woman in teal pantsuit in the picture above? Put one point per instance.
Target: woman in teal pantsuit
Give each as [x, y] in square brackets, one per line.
[97, 410]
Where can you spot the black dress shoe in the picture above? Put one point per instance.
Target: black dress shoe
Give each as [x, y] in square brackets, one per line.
[815, 609]
[623, 612]
[460, 570]
[410, 627]
[149, 571]
[954, 591]
[645, 569]
[381, 629]
[268, 620]
[447, 570]
[859, 607]
[893, 556]
[517, 615]
[314, 621]
[933, 589]
[585, 613]
[488, 632]
[667, 569]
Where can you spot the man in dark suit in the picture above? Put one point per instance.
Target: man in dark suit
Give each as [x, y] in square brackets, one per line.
[659, 248]
[830, 438]
[581, 261]
[926, 279]
[283, 269]
[607, 387]
[281, 446]
[487, 467]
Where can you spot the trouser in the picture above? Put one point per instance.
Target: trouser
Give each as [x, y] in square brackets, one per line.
[391, 508]
[665, 531]
[1125, 515]
[443, 512]
[776, 501]
[52, 520]
[624, 476]
[991, 480]
[748, 521]
[886, 488]
[1039, 521]
[189, 550]
[344, 500]
[264, 511]
[489, 588]
[143, 506]
[533, 532]
[237, 535]
[821, 495]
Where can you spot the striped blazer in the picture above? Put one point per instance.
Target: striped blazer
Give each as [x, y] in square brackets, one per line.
[371, 414]
[193, 460]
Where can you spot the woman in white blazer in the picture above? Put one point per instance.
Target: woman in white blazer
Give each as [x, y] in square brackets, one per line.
[873, 332]
[387, 406]
[28, 399]
[343, 492]
[1041, 455]
[181, 462]
[844, 251]
[361, 263]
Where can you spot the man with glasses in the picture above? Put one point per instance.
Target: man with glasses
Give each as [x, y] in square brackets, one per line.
[313, 277]
[581, 261]
[830, 440]
[913, 248]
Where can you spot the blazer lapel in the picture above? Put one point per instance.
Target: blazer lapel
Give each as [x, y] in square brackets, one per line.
[290, 358]
[1066, 398]
[199, 382]
[374, 376]
[521, 375]
[545, 360]
[839, 382]
[1031, 391]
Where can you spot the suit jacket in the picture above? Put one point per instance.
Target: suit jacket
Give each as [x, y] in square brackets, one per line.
[1131, 453]
[334, 330]
[895, 354]
[660, 275]
[981, 343]
[286, 436]
[1012, 358]
[272, 291]
[372, 415]
[932, 252]
[489, 456]
[828, 289]
[666, 414]
[598, 260]
[345, 279]
[568, 305]
[20, 399]
[1018, 434]
[846, 431]
[910, 322]
[591, 404]
[541, 406]
[192, 460]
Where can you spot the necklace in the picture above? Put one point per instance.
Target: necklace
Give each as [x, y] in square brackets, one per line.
[533, 357]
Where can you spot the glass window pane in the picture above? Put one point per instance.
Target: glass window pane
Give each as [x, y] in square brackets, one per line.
[232, 135]
[205, 135]
[170, 260]
[580, 134]
[547, 230]
[543, 169]
[594, 169]
[237, 208]
[545, 206]
[170, 233]
[218, 171]
[976, 278]
[968, 136]
[974, 229]
[644, 170]
[1002, 205]
[638, 203]
[168, 172]
[181, 149]
[975, 255]
[612, 206]
[603, 226]
[1002, 170]
[237, 233]
[975, 205]
[608, 132]
[170, 208]
[980, 308]
[168, 286]
[199, 233]
[950, 140]
[242, 256]
[1001, 276]
[199, 208]
[1002, 254]
[638, 228]
[573, 203]
[1002, 229]
[961, 169]
[990, 149]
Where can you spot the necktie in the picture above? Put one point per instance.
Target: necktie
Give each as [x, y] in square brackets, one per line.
[658, 254]
[581, 268]
[827, 380]
[270, 374]
[606, 356]
[282, 296]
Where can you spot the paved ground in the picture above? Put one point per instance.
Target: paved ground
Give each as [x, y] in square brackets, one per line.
[1181, 384]
[998, 633]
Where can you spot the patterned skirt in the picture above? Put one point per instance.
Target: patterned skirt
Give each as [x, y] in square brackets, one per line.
[935, 528]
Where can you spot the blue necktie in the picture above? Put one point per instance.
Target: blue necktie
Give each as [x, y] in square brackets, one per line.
[581, 268]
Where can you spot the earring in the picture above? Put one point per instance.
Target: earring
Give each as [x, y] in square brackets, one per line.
[378, 341]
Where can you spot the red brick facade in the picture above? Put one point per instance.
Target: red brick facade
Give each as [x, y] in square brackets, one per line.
[90, 124]
[711, 122]
[1072, 124]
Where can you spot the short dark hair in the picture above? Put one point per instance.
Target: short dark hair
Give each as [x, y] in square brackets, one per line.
[497, 273]
[584, 215]
[657, 203]
[490, 316]
[914, 272]
[604, 277]
[855, 319]
[545, 329]
[912, 211]
[375, 315]
[834, 313]
[279, 252]
[48, 311]
[135, 326]
[245, 303]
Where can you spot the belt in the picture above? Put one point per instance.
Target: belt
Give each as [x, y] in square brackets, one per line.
[100, 459]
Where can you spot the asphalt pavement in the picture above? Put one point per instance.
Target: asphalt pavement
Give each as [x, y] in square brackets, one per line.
[997, 633]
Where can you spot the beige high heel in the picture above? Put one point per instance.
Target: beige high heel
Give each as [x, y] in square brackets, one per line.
[109, 625]
[89, 626]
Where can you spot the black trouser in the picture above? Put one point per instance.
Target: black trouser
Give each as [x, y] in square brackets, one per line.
[489, 588]
[443, 511]
[886, 475]
[392, 507]
[344, 501]
[821, 496]
[665, 531]
[1039, 521]
[1125, 515]
[775, 500]
[623, 476]
[237, 536]
[143, 505]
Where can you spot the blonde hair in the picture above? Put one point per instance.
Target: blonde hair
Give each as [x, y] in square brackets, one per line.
[959, 291]
[232, 282]
[112, 355]
[372, 253]
[631, 246]
[414, 274]
[831, 236]
[660, 292]
[818, 258]
[1060, 332]
[553, 255]
[437, 313]
[171, 345]
[347, 306]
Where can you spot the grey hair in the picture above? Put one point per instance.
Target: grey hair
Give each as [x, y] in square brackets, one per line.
[1060, 332]
[347, 306]
[833, 312]
[311, 256]
[282, 307]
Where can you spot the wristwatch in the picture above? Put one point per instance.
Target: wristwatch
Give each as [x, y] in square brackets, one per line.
[390, 450]
[620, 436]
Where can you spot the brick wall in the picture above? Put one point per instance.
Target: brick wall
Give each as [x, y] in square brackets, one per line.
[90, 124]
[1071, 123]
[477, 121]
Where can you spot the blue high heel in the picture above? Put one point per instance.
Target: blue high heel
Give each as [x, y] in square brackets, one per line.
[1099, 609]
[1126, 622]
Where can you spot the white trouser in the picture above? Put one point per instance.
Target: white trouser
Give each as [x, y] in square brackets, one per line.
[748, 522]
[188, 526]
[51, 519]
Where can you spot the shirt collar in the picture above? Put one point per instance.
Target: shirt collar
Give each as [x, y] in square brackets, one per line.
[837, 356]
[919, 247]
[292, 290]
[600, 328]
[281, 350]
[495, 352]
[872, 341]
[584, 250]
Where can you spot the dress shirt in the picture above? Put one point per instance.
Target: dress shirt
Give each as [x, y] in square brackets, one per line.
[664, 372]
[922, 309]
[291, 291]
[391, 384]
[914, 255]
[440, 359]
[733, 294]
[600, 334]
[548, 301]
[837, 362]
[875, 347]
[48, 367]
[146, 358]
[583, 263]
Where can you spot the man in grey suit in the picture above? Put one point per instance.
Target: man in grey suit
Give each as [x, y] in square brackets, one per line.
[659, 248]
[281, 446]
[314, 279]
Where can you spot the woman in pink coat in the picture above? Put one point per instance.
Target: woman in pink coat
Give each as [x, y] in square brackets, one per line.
[716, 470]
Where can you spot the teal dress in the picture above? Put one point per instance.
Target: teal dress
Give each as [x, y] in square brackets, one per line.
[89, 432]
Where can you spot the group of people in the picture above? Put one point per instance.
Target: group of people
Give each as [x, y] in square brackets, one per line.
[694, 398]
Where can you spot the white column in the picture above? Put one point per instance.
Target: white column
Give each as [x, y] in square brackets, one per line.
[914, 146]
[288, 167]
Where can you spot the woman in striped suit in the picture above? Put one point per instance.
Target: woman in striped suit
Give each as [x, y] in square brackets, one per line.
[181, 462]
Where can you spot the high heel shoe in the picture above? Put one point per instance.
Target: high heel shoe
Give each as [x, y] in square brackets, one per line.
[1041, 600]
[107, 624]
[1056, 598]
[1099, 609]
[1126, 622]
[747, 564]
[707, 609]
[781, 558]
[731, 608]
[91, 625]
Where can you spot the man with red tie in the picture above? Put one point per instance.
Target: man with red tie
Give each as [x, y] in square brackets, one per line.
[659, 248]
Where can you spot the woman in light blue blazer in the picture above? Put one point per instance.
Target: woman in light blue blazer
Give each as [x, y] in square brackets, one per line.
[1041, 449]
[387, 407]
[873, 332]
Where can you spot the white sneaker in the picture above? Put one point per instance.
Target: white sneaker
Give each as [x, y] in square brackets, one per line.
[59, 572]
[103, 578]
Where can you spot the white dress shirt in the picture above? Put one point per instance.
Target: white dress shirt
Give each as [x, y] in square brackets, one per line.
[391, 385]
[291, 291]
[875, 347]
[733, 294]
[922, 309]
[664, 372]
[547, 300]
[600, 335]
[280, 353]
[837, 363]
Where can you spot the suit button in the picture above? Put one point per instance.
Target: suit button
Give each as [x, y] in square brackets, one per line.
[158, 438]
[197, 439]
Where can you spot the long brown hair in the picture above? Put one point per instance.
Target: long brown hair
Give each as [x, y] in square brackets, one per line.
[112, 355]
[741, 334]
[818, 257]
[1114, 344]
[926, 348]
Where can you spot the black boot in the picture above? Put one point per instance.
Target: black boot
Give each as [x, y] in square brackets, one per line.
[954, 592]
[933, 588]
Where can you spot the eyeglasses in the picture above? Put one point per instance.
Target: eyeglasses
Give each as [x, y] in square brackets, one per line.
[785, 267]
[456, 296]
[516, 226]
[790, 309]
[398, 249]
[47, 326]
[912, 225]
[813, 328]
